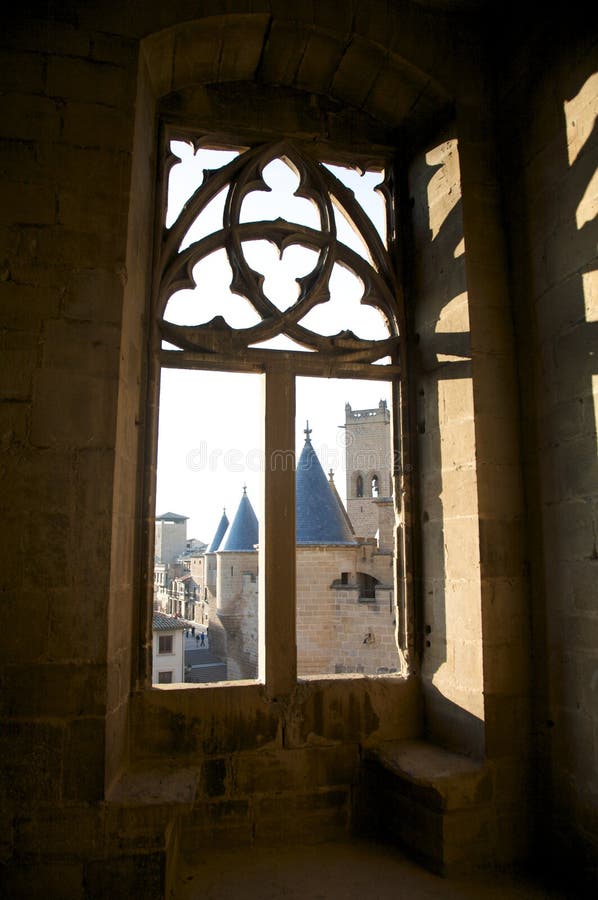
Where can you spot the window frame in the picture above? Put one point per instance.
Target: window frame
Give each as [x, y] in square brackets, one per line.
[164, 637]
[279, 370]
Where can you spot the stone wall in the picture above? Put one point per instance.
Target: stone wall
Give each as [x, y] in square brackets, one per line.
[452, 666]
[552, 207]
[337, 630]
[82, 86]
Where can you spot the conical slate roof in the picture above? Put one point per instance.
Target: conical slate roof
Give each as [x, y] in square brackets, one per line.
[243, 533]
[340, 503]
[220, 532]
[319, 519]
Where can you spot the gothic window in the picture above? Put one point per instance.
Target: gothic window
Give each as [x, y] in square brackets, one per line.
[359, 486]
[375, 486]
[223, 227]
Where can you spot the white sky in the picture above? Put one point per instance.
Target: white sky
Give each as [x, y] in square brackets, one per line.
[210, 426]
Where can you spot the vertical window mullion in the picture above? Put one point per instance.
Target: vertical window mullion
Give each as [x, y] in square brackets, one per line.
[278, 650]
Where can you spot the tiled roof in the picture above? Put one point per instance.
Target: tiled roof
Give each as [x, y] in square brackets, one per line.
[319, 519]
[163, 622]
[171, 517]
[243, 533]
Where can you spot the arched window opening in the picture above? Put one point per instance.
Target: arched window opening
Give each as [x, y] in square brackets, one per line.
[375, 486]
[359, 486]
[243, 284]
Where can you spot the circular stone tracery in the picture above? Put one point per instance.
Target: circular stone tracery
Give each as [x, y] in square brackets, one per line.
[242, 176]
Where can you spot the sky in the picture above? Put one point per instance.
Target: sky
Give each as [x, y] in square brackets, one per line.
[210, 427]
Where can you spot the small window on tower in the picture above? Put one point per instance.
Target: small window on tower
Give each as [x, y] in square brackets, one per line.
[375, 486]
[359, 486]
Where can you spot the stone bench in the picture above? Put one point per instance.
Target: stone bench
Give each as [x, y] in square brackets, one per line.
[435, 803]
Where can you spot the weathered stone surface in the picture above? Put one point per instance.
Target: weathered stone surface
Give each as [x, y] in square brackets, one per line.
[494, 158]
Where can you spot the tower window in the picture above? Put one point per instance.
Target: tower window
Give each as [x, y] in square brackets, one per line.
[359, 486]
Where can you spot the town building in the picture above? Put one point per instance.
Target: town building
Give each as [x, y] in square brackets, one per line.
[168, 648]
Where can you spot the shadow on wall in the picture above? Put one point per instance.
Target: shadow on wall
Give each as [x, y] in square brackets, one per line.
[555, 291]
[450, 586]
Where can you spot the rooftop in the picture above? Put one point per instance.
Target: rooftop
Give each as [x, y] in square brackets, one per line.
[171, 517]
[164, 622]
[244, 531]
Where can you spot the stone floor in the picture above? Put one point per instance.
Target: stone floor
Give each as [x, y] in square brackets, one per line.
[352, 870]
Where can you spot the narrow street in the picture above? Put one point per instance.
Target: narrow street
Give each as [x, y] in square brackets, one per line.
[201, 666]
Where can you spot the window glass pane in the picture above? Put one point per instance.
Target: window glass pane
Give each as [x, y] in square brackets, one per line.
[209, 482]
[345, 528]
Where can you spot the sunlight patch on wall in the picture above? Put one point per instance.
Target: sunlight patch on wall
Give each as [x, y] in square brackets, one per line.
[453, 319]
[444, 188]
[590, 294]
[588, 205]
[580, 114]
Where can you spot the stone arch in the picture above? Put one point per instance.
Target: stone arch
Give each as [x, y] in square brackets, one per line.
[263, 49]
[302, 83]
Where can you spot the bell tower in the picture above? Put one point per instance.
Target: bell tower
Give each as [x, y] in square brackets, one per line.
[368, 464]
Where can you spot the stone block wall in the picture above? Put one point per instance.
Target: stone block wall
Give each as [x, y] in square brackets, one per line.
[368, 453]
[452, 665]
[553, 207]
[336, 630]
[82, 86]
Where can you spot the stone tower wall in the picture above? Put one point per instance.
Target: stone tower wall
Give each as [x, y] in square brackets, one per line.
[368, 453]
[171, 540]
[332, 622]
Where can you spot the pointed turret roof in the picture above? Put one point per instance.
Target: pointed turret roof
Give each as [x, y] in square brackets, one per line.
[220, 532]
[319, 519]
[340, 503]
[243, 533]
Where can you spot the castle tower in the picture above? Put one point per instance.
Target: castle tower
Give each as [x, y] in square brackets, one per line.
[210, 559]
[369, 466]
[326, 547]
[234, 629]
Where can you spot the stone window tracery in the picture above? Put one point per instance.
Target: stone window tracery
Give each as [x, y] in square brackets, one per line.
[232, 197]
